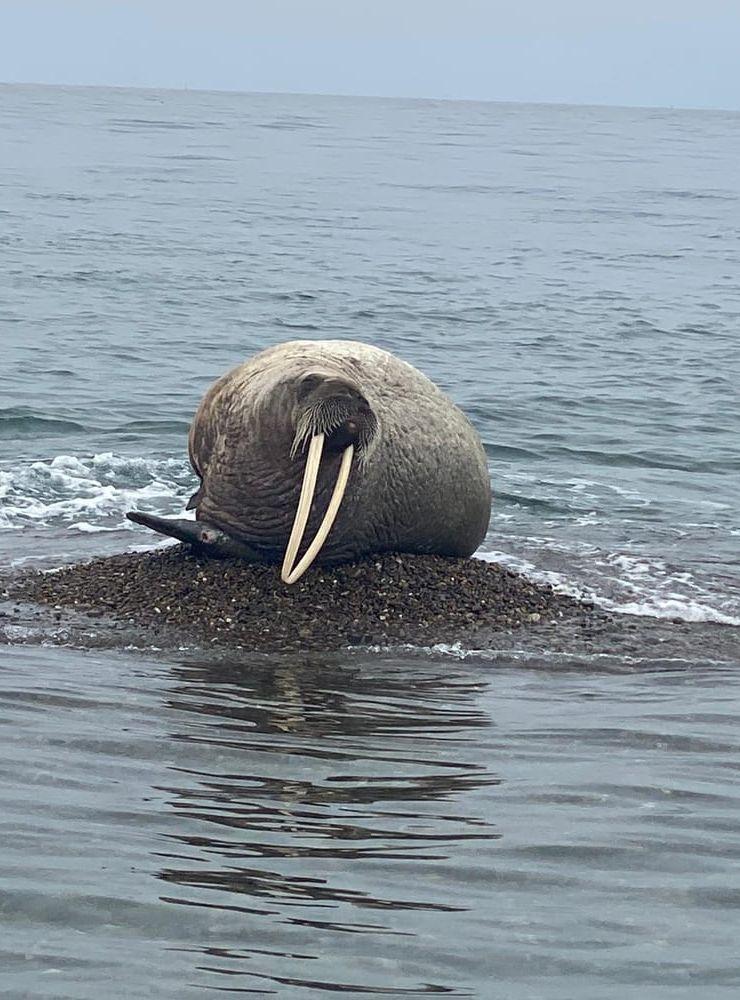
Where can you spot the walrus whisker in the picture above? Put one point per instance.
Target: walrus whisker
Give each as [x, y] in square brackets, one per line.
[308, 427]
[290, 573]
[321, 417]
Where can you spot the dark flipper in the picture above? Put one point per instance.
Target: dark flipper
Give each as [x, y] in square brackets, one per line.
[195, 499]
[203, 536]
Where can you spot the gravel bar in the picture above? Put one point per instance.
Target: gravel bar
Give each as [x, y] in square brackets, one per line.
[381, 600]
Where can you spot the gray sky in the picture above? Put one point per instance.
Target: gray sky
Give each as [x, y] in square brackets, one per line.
[651, 52]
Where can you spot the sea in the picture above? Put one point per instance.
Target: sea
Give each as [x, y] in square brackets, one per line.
[549, 820]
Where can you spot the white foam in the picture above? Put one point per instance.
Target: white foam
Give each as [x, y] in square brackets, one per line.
[456, 651]
[625, 584]
[91, 494]
[17, 634]
[88, 528]
[677, 607]
[520, 565]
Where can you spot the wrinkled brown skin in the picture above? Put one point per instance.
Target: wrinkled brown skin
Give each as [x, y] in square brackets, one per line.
[422, 484]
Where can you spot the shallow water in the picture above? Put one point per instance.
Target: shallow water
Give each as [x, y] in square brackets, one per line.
[553, 820]
[395, 827]
[570, 275]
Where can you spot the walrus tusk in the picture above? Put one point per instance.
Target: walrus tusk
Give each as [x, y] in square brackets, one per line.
[289, 572]
[308, 488]
[329, 517]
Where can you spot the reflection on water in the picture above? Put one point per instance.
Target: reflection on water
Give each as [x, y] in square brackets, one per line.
[364, 825]
[354, 779]
[526, 827]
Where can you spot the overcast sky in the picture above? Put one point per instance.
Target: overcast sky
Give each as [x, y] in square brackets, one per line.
[638, 52]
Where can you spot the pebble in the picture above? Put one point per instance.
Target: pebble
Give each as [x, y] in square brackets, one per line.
[382, 600]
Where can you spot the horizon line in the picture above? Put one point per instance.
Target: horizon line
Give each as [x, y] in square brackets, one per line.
[185, 89]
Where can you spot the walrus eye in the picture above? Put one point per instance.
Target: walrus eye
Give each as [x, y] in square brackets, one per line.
[290, 572]
[308, 384]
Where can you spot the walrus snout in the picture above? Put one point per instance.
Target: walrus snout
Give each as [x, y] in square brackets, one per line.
[358, 429]
[333, 415]
[334, 407]
[347, 433]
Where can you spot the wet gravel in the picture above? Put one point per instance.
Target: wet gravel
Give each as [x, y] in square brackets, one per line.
[381, 600]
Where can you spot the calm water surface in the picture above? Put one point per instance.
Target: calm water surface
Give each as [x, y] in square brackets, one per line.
[550, 822]
[392, 826]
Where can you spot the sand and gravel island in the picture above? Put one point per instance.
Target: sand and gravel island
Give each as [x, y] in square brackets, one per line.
[318, 454]
[388, 599]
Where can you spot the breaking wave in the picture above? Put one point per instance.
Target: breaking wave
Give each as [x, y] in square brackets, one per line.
[91, 494]
[629, 584]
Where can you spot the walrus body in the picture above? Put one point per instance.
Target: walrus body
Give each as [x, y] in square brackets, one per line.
[413, 468]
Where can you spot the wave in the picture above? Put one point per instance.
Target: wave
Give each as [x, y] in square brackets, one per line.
[92, 493]
[626, 584]
[617, 662]
[157, 427]
[22, 422]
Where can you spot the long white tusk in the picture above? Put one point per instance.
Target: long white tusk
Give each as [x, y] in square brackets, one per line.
[308, 488]
[291, 573]
[329, 517]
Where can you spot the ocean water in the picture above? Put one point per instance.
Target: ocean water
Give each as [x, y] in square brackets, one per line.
[546, 821]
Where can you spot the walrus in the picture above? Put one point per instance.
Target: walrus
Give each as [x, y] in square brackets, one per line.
[338, 442]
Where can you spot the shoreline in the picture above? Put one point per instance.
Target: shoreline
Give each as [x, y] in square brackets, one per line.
[387, 599]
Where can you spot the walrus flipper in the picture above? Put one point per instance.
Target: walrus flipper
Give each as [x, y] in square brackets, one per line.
[205, 537]
[195, 499]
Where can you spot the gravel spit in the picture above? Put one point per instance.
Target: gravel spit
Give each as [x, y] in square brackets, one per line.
[381, 600]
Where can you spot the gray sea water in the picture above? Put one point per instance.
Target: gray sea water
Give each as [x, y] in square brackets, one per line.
[542, 822]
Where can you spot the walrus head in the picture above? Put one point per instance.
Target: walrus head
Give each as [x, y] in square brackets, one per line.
[330, 412]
